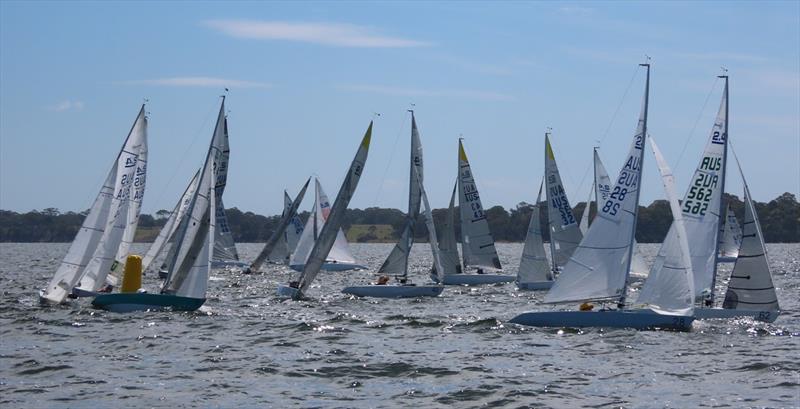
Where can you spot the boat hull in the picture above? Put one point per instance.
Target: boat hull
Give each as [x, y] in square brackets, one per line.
[726, 313]
[284, 291]
[331, 267]
[536, 285]
[477, 279]
[728, 259]
[80, 293]
[394, 291]
[636, 319]
[129, 302]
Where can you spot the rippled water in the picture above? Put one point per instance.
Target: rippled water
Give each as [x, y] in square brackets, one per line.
[246, 348]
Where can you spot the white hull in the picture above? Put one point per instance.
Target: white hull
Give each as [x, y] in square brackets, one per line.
[536, 285]
[477, 279]
[332, 267]
[394, 291]
[636, 319]
[725, 313]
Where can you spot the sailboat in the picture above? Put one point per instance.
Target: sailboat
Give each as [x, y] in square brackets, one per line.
[283, 250]
[340, 257]
[103, 241]
[330, 229]
[534, 271]
[599, 267]
[396, 263]
[167, 234]
[188, 268]
[477, 244]
[731, 238]
[565, 234]
[288, 218]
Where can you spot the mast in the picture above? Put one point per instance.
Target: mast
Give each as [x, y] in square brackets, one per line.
[710, 301]
[621, 303]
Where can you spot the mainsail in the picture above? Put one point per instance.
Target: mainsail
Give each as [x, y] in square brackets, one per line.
[328, 233]
[105, 255]
[565, 234]
[88, 237]
[750, 287]
[671, 291]
[288, 217]
[533, 265]
[731, 235]
[281, 252]
[477, 244]
[224, 246]
[598, 269]
[189, 267]
[171, 225]
[396, 263]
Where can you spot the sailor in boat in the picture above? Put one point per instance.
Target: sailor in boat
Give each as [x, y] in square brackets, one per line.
[382, 280]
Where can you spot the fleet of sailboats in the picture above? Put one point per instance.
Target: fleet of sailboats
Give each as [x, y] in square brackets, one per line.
[591, 261]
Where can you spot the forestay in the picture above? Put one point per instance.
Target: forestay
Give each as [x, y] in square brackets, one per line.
[86, 240]
[565, 234]
[533, 265]
[731, 235]
[477, 244]
[598, 268]
[172, 223]
[105, 255]
[189, 267]
[751, 287]
[328, 234]
[671, 292]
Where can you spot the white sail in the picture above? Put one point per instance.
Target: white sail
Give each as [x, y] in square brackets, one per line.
[189, 267]
[731, 237]
[700, 207]
[565, 234]
[671, 292]
[584, 224]
[289, 216]
[328, 233]
[477, 244]
[602, 189]
[224, 246]
[428, 213]
[168, 230]
[533, 265]
[86, 240]
[751, 287]
[281, 252]
[105, 255]
[396, 263]
[339, 252]
[598, 268]
[448, 246]
[295, 228]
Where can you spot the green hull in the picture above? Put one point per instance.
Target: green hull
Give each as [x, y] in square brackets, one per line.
[128, 302]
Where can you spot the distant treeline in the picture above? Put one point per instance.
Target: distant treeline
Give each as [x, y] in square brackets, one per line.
[780, 221]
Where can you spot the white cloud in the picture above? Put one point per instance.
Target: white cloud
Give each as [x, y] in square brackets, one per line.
[418, 92]
[333, 34]
[66, 105]
[199, 82]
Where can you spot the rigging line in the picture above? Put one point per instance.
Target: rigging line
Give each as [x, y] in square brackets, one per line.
[389, 162]
[697, 121]
[610, 124]
[183, 156]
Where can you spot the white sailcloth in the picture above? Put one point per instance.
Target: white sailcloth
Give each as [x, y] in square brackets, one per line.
[339, 252]
[671, 292]
[448, 246]
[598, 267]
[428, 213]
[277, 235]
[751, 287]
[700, 209]
[332, 227]
[224, 246]
[105, 255]
[171, 225]
[533, 265]
[396, 263]
[477, 244]
[584, 224]
[281, 252]
[731, 235]
[565, 234]
[602, 189]
[194, 242]
[86, 240]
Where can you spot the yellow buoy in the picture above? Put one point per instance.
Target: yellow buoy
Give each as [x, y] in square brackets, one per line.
[132, 279]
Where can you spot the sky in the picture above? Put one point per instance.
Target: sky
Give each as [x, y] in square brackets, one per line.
[305, 79]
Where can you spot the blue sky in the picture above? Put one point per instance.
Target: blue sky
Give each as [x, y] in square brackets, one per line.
[306, 77]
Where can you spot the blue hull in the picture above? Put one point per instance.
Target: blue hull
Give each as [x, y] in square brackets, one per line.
[536, 285]
[725, 313]
[129, 302]
[477, 279]
[636, 319]
[394, 291]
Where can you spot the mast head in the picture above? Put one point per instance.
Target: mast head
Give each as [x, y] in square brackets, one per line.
[724, 73]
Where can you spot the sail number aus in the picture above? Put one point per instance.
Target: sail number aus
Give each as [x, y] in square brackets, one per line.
[703, 187]
[627, 183]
